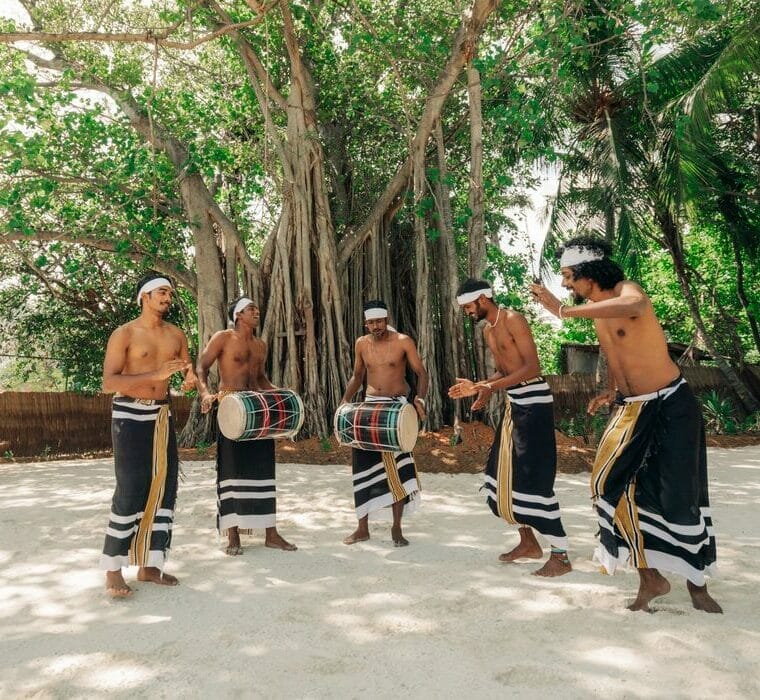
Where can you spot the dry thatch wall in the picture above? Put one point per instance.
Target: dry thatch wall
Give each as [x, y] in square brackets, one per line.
[42, 423]
[36, 423]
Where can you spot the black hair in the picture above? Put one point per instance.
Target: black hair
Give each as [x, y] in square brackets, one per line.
[473, 285]
[605, 272]
[144, 280]
[375, 304]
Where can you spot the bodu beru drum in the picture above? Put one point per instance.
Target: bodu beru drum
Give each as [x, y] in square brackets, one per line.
[259, 415]
[376, 426]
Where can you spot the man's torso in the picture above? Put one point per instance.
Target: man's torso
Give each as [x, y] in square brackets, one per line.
[502, 344]
[147, 350]
[637, 352]
[385, 361]
[240, 362]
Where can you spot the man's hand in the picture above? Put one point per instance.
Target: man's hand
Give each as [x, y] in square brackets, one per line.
[190, 381]
[463, 388]
[605, 399]
[484, 396]
[207, 401]
[170, 367]
[544, 297]
[419, 405]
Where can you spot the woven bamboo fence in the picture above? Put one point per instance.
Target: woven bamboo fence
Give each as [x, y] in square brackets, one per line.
[46, 423]
[42, 424]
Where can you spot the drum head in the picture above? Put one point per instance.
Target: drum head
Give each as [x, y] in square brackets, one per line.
[407, 428]
[231, 416]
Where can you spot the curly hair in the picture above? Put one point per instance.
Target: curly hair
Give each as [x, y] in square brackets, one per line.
[605, 272]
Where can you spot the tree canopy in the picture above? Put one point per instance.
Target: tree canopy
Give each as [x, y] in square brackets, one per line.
[316, 154]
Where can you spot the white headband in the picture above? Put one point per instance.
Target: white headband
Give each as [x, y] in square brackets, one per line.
[469, 297]
[575, 255]
[375, 312]
[242, 304]
[151, 285]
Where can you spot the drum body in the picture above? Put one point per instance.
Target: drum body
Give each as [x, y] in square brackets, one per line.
[377, 426]
[260, 415]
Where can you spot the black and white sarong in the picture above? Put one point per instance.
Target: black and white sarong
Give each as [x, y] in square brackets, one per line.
[146, 462]
[649, 485]
[383, 478]
[245, 484]
[522, 464]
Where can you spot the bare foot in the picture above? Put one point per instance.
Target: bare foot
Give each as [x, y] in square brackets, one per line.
[274, 540]
[116, 586]
[527, 549]
[652, 584]
[701, 599]
[558, 564]
[233, 548]
[398, 539]
[358, 535]
[152, 574]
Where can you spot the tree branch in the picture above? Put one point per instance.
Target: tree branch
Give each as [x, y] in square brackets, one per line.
[467, 36]
[185, 277]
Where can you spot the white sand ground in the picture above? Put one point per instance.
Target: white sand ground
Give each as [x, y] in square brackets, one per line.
[441, 618]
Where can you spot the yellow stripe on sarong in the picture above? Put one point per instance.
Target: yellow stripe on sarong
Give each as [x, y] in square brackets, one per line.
[627, 520]
[139, 550]
[391, 472]
[615, 439]
[504, 469]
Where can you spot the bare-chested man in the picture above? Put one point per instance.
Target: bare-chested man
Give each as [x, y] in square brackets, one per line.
[649, 481]
[522, 464]
[383, 479]
[245, 469]
[140, 358]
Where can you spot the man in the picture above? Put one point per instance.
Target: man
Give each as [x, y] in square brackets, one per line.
[522, 463]
[383, 479]
[649, 480]
[245, 469]
[140, 358]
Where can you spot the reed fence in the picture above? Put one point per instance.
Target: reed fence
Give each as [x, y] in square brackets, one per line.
[45, 423]
[42, 424]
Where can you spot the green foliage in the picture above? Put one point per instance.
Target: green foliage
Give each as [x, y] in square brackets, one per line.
[581, 424]
[719, 414]
[325, 444]
[202, 448]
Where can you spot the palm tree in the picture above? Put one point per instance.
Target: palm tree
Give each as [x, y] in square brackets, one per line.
[643, 155]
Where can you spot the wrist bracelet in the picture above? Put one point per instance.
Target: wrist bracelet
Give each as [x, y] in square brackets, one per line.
[559, 312]
[420, 399]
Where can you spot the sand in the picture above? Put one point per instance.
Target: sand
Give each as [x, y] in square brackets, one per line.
[441, 618]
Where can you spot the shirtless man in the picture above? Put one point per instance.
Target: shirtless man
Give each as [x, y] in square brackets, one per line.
[649, 480]
[245, 469]
[383, 355]
[140, 358]
[522, 464]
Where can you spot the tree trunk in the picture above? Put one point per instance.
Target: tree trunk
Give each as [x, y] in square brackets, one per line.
[475, 230]
[453, 365]
[741, 292]
[425, 333]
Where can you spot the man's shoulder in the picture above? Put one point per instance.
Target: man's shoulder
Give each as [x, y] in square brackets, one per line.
[512, 315]
[125, 329]
[171, 328]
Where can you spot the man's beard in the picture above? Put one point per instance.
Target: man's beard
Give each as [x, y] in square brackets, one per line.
[577, 298]
[480, 314]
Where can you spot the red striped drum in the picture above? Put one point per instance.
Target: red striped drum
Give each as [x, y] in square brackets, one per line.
[260, 415]
[377, 426]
